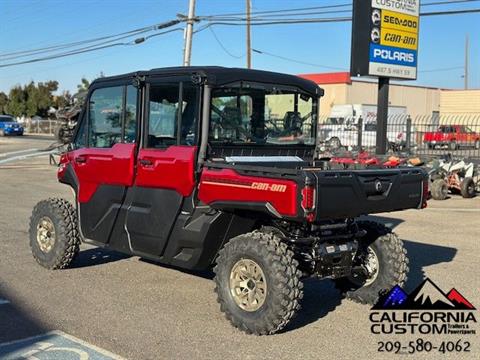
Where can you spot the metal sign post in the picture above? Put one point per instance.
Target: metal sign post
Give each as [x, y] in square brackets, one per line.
[385, 45]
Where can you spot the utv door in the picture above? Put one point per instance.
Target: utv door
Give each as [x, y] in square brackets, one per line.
[165, 164]
[104, 159]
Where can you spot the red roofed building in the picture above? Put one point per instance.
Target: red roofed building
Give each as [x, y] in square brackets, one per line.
[341, 89]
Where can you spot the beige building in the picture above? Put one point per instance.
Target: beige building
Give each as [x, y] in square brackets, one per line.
[460, 102]
[341, 89]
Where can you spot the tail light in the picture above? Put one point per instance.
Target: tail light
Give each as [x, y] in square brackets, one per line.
[308, 202]
[425, 194]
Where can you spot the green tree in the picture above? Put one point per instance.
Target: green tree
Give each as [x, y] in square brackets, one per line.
[83, 86]
[17, 102]
[3, 102]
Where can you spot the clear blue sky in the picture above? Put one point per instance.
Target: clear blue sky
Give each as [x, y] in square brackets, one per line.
[27, 24]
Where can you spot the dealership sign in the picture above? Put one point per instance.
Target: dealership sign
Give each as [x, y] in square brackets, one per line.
[385, 38]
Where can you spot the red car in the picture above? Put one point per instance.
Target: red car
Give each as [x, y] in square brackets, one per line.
[452, 135]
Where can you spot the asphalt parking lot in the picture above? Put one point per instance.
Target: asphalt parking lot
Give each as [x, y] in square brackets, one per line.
[139, 310]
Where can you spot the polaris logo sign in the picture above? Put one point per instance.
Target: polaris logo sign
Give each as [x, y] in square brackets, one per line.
[390, 55]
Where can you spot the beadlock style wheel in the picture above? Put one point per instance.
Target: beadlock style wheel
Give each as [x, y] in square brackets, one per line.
[45, 234]
[248, 285]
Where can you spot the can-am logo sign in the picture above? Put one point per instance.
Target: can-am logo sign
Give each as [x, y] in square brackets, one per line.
[410, 7]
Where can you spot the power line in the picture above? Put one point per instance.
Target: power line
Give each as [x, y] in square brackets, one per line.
[284, 12]
[114, 37]
[261, 22]
[442, 69]
[88, 49]
[297, 61]
[223, 46]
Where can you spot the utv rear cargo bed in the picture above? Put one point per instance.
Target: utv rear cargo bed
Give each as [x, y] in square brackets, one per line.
[351, 193]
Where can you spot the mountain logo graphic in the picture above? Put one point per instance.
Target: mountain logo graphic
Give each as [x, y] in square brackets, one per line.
[427, 296]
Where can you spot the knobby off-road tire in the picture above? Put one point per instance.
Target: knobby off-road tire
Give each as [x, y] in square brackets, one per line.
[282, 282]
[54, 219]
[439, 189]
[392, 264]
[467, 188]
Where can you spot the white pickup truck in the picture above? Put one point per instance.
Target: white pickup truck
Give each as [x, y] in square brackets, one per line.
[342, 127]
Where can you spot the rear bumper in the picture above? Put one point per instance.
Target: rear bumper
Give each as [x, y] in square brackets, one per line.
[10, 131]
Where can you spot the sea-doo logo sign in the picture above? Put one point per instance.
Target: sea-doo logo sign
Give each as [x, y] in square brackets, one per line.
[389, 55]
[426, 310]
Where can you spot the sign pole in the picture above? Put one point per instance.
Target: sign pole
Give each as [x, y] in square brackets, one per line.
[382, 115]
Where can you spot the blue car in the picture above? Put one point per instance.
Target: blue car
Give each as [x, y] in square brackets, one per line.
[9, 126]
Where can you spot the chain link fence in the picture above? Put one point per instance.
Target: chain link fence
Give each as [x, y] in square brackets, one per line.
[428, 136]
[41, 126]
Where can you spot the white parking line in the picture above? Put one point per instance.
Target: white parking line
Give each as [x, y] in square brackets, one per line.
[54, 341]
[22, 157]
[17, 152]
[3, 301]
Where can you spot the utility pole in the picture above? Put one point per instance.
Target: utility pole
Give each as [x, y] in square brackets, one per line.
[466, 61]
[187, 51]
[249, 40]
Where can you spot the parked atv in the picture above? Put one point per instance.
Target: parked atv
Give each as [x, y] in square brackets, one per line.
[68, 119]
[184, 167]
[453, 176]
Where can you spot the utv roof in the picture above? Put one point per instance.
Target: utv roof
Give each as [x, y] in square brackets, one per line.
[217, 76]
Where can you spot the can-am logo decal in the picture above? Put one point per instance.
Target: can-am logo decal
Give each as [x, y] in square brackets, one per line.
[246, 184]
[426, 310]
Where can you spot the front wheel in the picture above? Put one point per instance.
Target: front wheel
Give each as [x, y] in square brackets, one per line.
[380, 264]
[54, 236]
[258, 283]
[439, 189]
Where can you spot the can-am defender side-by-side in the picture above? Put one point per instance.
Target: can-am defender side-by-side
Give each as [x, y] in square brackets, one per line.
[201, 167]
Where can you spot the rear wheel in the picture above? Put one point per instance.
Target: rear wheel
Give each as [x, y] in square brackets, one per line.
[380, 264]
[439, 189]
[477, 144]
[257, 283]
[467, 188]
[453, 145]
[54, 237]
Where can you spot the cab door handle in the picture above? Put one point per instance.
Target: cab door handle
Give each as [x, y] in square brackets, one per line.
[146, 162]
[80, 159]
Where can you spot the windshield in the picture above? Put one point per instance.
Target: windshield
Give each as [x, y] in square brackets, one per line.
[6, 119]
[255, 114]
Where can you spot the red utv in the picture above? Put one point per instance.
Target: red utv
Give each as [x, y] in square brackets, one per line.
[201, 167]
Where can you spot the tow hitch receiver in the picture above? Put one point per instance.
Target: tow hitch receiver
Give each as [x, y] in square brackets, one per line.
[335, 260]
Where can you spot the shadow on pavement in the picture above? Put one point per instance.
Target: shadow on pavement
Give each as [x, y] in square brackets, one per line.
[15, 322]
[319, 299]
[422, 255]
[96, 256]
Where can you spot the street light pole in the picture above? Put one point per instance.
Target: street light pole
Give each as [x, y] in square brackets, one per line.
[187, 51]
[467, 48]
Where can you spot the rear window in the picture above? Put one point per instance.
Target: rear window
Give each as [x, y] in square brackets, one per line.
[6, 119]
